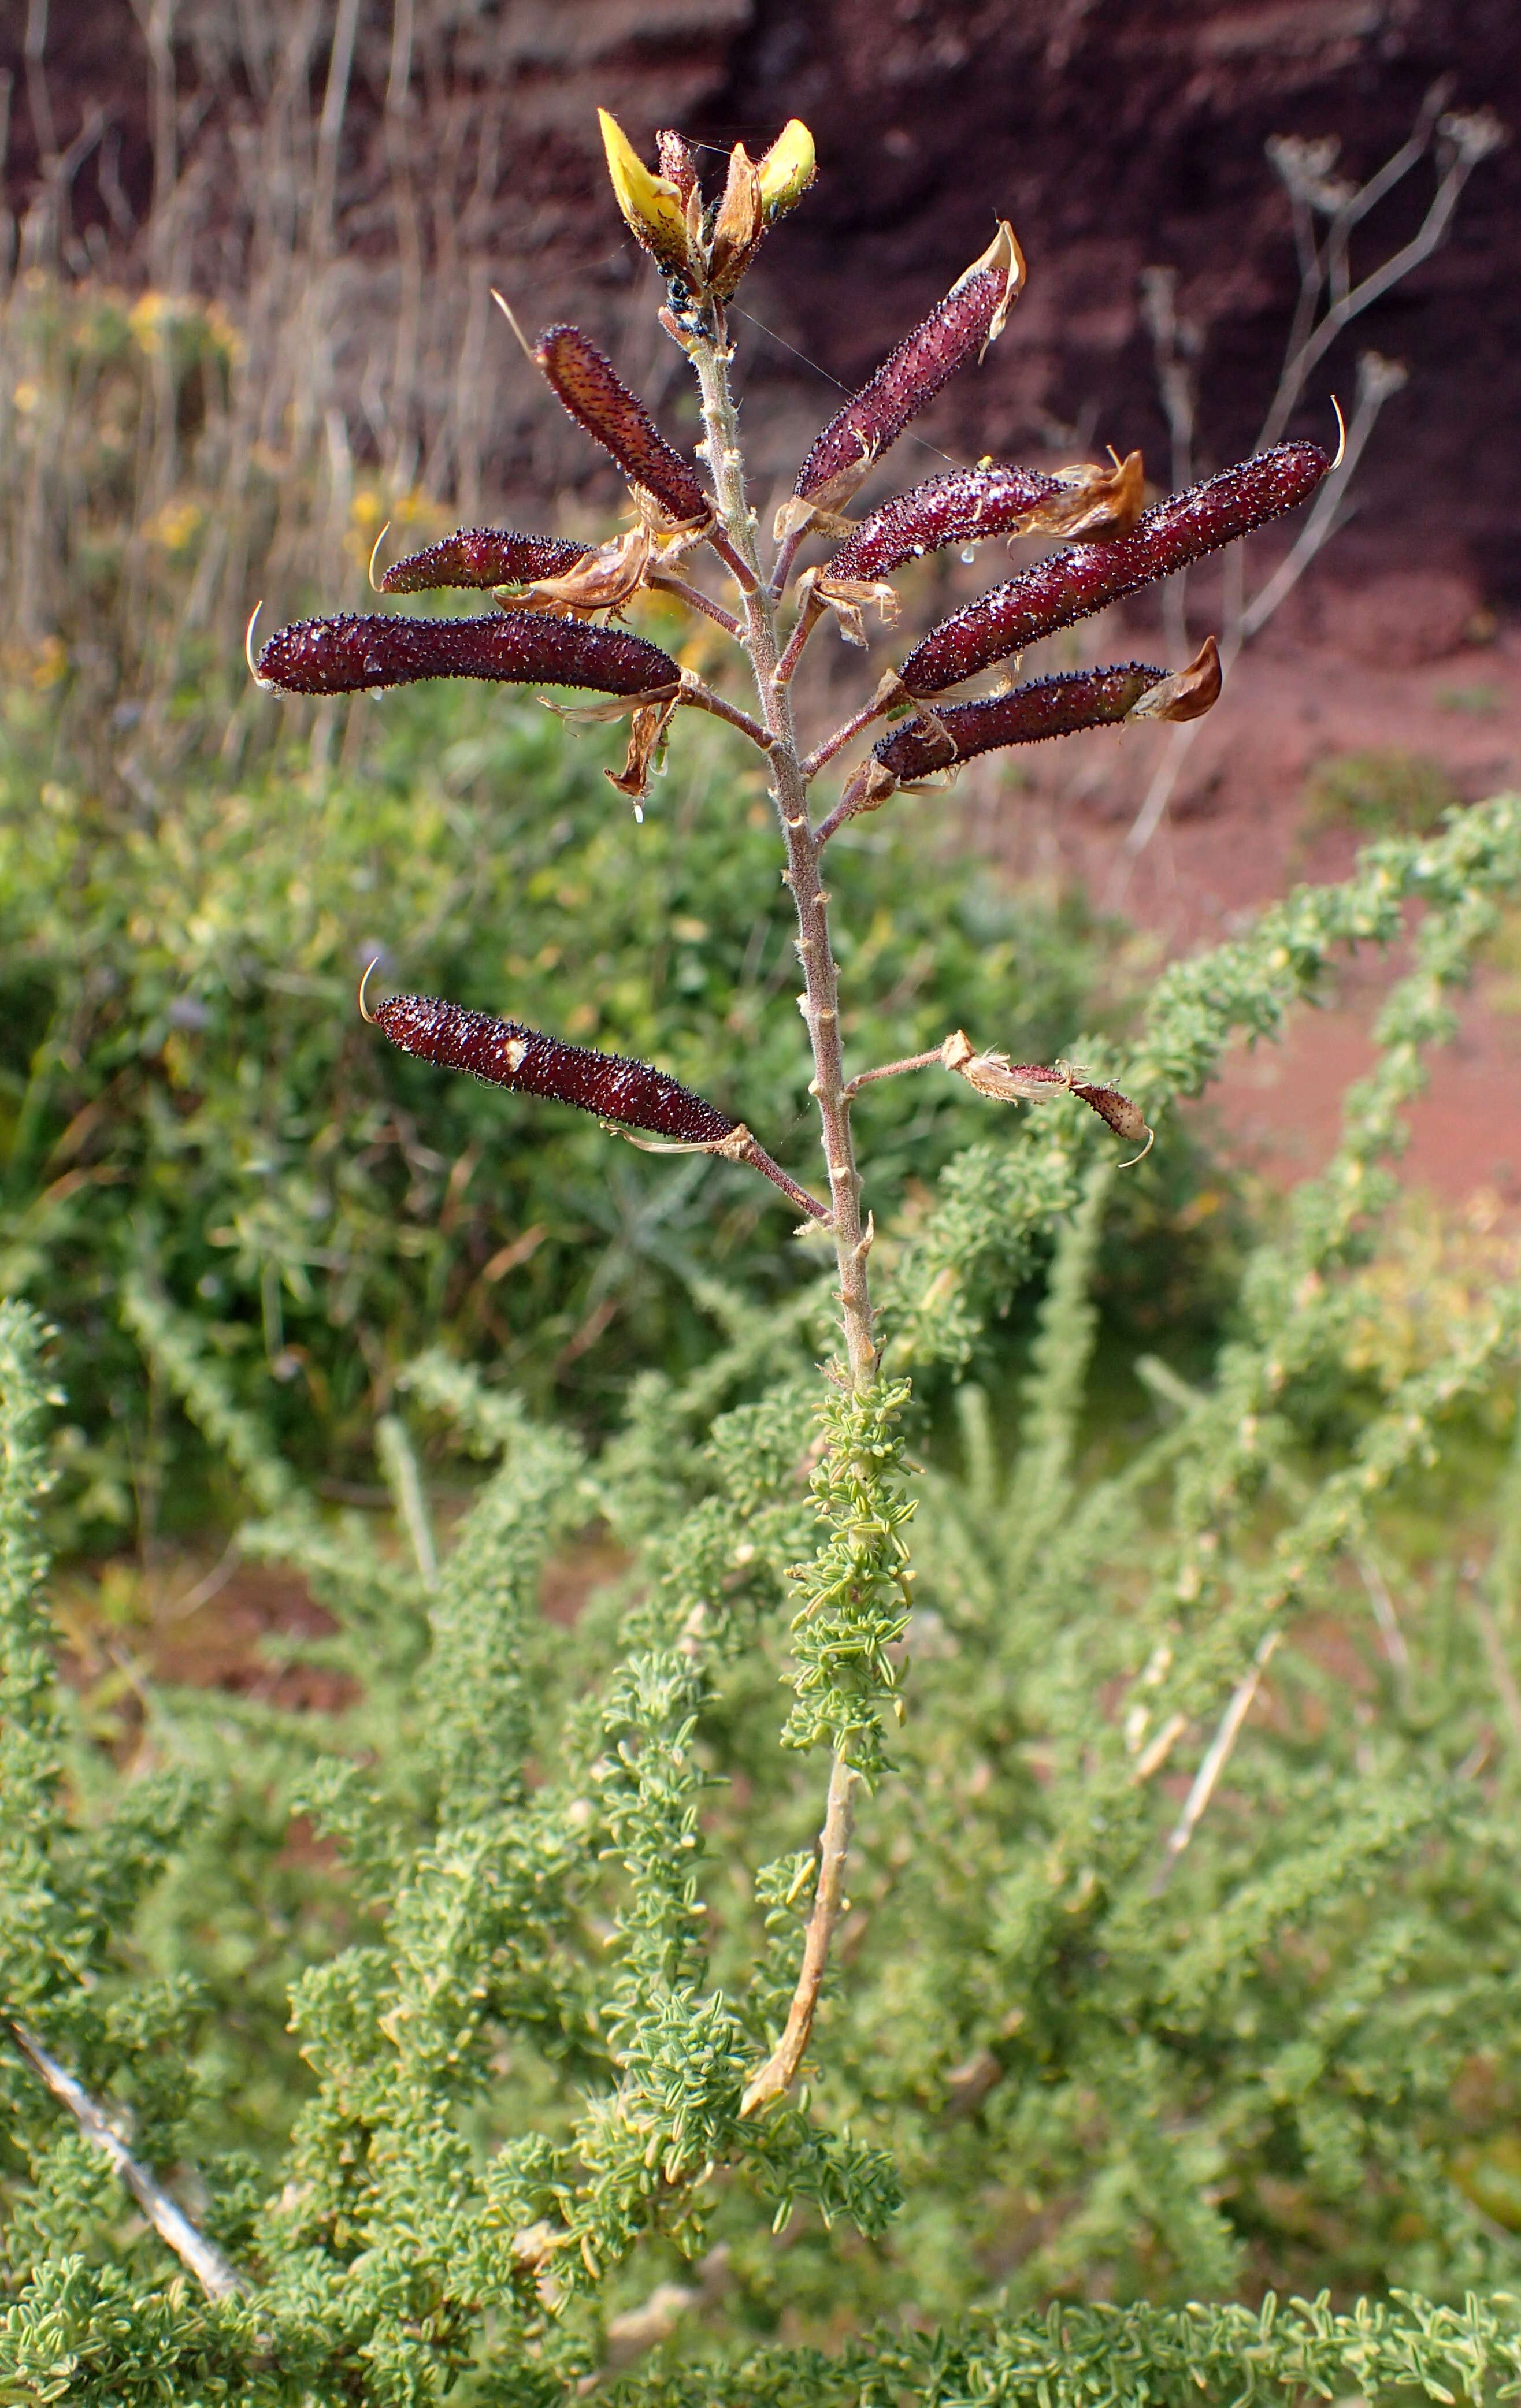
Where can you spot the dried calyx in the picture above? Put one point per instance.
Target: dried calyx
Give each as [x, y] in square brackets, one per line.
[1032, 1082]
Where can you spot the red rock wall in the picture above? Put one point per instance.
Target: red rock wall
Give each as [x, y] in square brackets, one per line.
[1115, 133]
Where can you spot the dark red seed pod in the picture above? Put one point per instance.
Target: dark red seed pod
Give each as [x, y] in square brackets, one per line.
[967, 321]
[508, 1055]
[1053, 705]
[1070, 585]
[483, 556]
[360, 654]
[587, 383]
[1124, 1117]
[960, 509]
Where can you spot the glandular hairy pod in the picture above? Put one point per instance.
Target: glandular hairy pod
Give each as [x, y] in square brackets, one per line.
[483, 556]
[962, 508]
[364, 654]
[585, 380]
[1124, 1118]
[1070, 585]
[1053, 705]
[969, 318]
[653, 206]
[1080, 505]
[506, 1054]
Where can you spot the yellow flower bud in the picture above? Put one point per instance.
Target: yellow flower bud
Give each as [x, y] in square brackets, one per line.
[787, 170]
[652, 205]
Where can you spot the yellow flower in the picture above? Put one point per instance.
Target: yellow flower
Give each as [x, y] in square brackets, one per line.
[650, 204]
[176, 522]
[787, 170]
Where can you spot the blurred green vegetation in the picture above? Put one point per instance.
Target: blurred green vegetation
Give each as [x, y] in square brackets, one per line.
[186, 1087]
[193, 876]
[1380, 792]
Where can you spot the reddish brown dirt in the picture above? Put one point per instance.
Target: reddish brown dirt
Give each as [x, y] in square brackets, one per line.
[1242, 832]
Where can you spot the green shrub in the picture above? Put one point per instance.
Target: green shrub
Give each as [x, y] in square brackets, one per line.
[186, 1089]
[1062, 2055]
[1158, 1944]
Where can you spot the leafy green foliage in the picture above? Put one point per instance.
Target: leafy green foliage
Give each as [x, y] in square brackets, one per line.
[187, 1095]
[1111, 2045]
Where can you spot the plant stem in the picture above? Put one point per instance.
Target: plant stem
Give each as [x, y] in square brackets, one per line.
[1216, 1756]
[666, 581]
[891, 1069]
[807, 619]
[702, 697]
[210, 2269]
[789, 791]
[777, 2075]
[821, 1012]
[842, 736]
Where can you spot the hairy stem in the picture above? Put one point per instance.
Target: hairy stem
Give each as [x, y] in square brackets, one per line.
[891, 1069]
[666, 581]
[807, 619]
[789, 789]
[842, 735]
[821, 1012]
[702, 697]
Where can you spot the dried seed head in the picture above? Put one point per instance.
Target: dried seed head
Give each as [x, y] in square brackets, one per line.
[587, 383]
[481, 556]
[969, 318]
[1070, 585]
[850, 598]
[1053, 705]
[358, 654]
[1085, 505]
[1034, 1082]
[992, 1074]
[506, 1054]
[653, 206]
